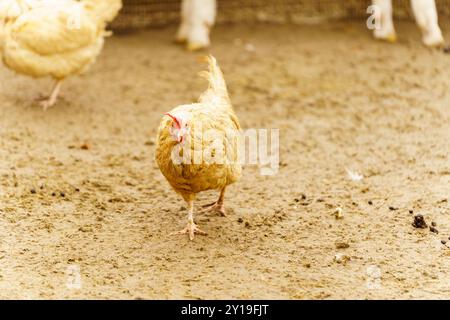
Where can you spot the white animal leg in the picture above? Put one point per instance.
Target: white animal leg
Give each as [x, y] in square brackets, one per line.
[201, 16]
[427, 19]
[183, 30]
[386, 30]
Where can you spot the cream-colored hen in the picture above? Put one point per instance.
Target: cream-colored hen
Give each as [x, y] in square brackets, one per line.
[56, 38]
[198, 144]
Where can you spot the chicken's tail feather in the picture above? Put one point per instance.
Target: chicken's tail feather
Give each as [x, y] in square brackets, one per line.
[217, 90]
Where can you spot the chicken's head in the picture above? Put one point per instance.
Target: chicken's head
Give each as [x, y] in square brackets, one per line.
[180, 126]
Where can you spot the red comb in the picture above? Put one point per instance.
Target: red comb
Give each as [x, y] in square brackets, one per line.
[174, 119]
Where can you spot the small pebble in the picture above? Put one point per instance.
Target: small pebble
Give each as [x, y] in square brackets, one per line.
[433, 224]
[434, 230]
[77, 190]
[411, 211]
[62, 194]
[240, 220]
[443, 242]
[341, 258]
[338, 213]
[247, 224]
[370, 202]
[419, 222]
[53, 194]
[392, 208]
[342, 245]
[33, 191]
[446, 49]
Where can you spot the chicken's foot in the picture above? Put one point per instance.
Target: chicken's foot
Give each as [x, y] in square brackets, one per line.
[51, 100]
[191, 228]
[218, 205]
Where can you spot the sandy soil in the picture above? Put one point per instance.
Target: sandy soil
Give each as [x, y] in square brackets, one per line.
[341, 100]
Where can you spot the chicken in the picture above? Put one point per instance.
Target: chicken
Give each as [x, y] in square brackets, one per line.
[426, 16]
[197, 19]
[56, 38]
[198, 146]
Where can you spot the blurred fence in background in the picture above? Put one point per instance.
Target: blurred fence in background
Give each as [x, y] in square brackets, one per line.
[145, 13]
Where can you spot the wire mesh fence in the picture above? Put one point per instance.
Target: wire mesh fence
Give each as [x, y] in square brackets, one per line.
[144, 13]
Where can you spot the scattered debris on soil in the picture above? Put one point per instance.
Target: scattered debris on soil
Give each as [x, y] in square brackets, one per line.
[342, 258]
[342, 245]
[419, 222]
[338, 213]
[434, 230]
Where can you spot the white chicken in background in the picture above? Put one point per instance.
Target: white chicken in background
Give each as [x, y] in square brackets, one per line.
[56, 38]
[197, 19]
[426, 16]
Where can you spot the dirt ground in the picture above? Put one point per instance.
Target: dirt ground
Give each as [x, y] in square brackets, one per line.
[80, 189]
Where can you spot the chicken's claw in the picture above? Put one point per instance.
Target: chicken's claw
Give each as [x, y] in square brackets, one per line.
[215, 207]
[44, 102]
[191, 229]
[50, 101]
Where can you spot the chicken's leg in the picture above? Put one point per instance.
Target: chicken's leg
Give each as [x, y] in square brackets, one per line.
[183, 30]
[191, 227]
[218, 205]
[51, 100]
[386, 31]
[199, 17]
[427, 18]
